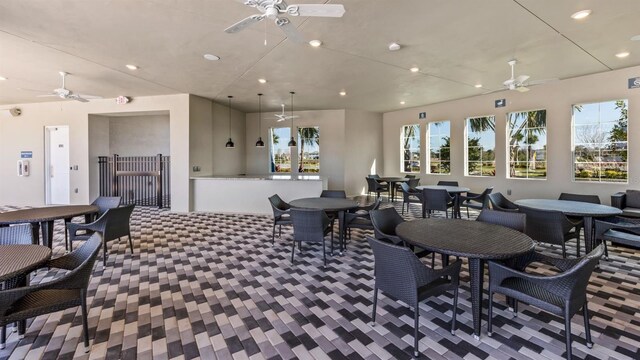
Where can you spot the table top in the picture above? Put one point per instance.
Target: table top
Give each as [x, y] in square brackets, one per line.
[21, 259]
[571, 208]
[46, 213]
[471, 239]
[323, 203]
[392, 178]
[450, 189]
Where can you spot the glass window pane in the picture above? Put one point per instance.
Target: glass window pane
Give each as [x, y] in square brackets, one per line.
[410, 147]
[279, 150]
[527, 144]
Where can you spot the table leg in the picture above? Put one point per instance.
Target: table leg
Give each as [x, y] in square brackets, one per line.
[35, 233]
[47, 233]
[456, 206]
[66, 233]
[341, 231]
[476, 272]
[588, 238]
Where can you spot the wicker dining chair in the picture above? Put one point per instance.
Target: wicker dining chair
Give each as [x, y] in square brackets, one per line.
[70, 290]
[437, 200]
[513, 220]
[401, 275]
[410, 196]
[562, 294]
[103, 203]
[577, 220]
[113, 224]
[501, 203]
[376, 187]
[552, 227]
[360, 218]
[618, 229]
[475, 201]
[281, 215]
[310, 225]
[385, 222]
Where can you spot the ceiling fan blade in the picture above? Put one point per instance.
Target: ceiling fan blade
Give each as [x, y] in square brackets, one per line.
[290, 30]
[77, 98]
[522, 78]
[47, 95]
[522, 89]
[541, 81]
[89, 97]
[508, 83]
[244, 23]
[492, 91]
[32, 90]
[324, 10]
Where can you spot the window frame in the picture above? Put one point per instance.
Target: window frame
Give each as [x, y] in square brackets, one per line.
[428, 149]
[411, 150]
[466, 146]
[508, 147]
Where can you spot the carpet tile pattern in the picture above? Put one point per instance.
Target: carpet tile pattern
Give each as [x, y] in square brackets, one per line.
[211, 286]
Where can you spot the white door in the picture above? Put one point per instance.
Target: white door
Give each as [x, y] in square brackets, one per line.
[57, 164]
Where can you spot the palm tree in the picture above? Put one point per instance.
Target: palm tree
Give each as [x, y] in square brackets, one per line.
[307, 136]
[534, 123]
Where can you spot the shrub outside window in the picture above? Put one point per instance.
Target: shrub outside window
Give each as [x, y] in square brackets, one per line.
[439, 138]
[527, 146]
[480, 146]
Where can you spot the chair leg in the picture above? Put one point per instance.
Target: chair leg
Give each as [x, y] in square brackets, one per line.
[403, 208]
[416, 329]
[3, 337]
[578, 245]
[293, 249]
[606, 251]
[66, 234]
[273, 235]
[130, 244]
[85, 325]
[467, 212]
[375, 303]
[279, 231]
[433, 260]
[490, 314]
[587, 328]
[455, 311]
[104, 253]
[515, 307]
[567, 330]
[564, 251]
[324, 253]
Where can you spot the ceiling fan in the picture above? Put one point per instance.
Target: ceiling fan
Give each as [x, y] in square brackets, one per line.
[271, 9]
[65, 93]
[520, 83]
[283, 116]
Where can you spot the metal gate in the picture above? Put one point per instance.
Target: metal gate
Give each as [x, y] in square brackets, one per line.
[140, 180]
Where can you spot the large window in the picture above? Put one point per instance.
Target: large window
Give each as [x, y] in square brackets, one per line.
[600, 142]
[410, 143]
[439, 137]
[480, 146]
[527, 144]
[309, 147]
[280, 152]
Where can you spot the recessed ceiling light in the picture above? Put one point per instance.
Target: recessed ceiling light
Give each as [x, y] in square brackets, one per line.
[131, 67]
[478, 86]
[262, 81]
[623, 54]
[343, 93]
[394, 47]
[635, 38]
[2, 78]
[211, 57]
[415, 69]
[402, 102]
[581, 14]
[315, 43]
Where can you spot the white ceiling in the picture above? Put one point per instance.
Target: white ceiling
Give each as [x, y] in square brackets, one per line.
[456, 44]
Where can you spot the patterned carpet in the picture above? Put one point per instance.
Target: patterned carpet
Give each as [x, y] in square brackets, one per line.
[211, 286]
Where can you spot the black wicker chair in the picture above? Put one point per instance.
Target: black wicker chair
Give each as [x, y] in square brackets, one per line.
[336, 194]
[409, 196]
[376, 187]
[281, 215]
[552, 227]
[448, 183]
[360, 219]
[310, 225]
[476, 201]
[577, 220]
[384, 228]
[562, 294]
[112, 225]
[66, 292]
[618, 229]
[436, 200]
[501, 203]
[515, 221]
[103, 203]
[400, 274]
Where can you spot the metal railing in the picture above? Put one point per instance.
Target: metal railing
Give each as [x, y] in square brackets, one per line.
[140, 180]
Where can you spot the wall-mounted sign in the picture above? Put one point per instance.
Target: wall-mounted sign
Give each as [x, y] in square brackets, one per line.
[501, 103]
[422, 115]
[26, 154]
[634, 83]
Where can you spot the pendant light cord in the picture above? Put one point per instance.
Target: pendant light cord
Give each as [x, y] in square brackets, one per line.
[229, 115]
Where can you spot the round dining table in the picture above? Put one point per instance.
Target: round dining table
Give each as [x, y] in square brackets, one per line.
[43, 217]
[392, 181]
[452, 190]
[587, 211]
[331, 205]
[475, 240]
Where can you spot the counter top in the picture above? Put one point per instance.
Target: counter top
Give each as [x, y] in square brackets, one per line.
[261, 177]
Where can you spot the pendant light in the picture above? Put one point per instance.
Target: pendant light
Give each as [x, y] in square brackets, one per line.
[230, 144]
[260, 143]
[292, 142]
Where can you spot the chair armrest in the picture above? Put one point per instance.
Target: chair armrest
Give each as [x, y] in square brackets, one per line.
[618, 200]
[623, 224]
[349, 217]
[521, 262]
[98, 225]
[12, 295]
[470, 196]
[552, 283]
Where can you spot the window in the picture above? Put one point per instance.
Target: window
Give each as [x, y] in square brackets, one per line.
[410, 143]
[480, 146]
[280, 151]
[600, 142]
[309, 146]
[527, 144]
[439, 137]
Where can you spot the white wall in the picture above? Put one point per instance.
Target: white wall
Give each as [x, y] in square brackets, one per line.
[200, 136]
[98, 146]
[363, 149]
[139, 135]
[557, 98]
[228, 161]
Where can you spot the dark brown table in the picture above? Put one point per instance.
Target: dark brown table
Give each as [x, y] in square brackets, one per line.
[392, 181]
[587, 211]
[474, 240]
[21, 259]
[453, 190]
[335, 205]
[43, 217]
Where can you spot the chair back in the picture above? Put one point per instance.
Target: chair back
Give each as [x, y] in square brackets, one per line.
[105, 203]
[406, 189]
[384, 224]
[309, 224]
[501, 203]
[278, 204]
[373, 184]
[16, 235]
[81, 260]
[436, 199]
[409, 176]
[448, 183]
[547, 226]
[336, 194]
[118, 220]
[513, 220]
[413, 183]
[593, 199]
[374, 176]
[483, 197]
[580, 274]
[396, 268]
